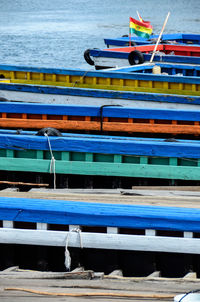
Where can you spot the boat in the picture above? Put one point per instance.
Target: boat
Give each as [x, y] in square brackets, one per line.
[101, 80]
[41, 215]
[99, 155]
[180, 38]
[132, 55]
[176, 69]
[16, 115]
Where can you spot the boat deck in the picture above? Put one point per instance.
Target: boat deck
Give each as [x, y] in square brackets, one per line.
[114, 283]
[121, 286]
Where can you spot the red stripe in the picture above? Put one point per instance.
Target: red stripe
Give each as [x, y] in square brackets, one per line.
[144, 24]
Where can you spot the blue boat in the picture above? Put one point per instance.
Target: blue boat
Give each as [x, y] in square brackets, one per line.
[73, 215]
[181, 38]
[133, 55]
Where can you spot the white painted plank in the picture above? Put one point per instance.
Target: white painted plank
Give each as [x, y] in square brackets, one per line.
[42, 226]
[149, 232]
[101, 241]
[74, 228]
[111, 230]
[8, 224]
[73, 100]
[188, 234]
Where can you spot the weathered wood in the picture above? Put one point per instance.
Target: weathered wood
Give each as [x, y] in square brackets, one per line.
[8, 224]
[131, 82]
[116, 273]
[102, 241]
[23, 183]
[155, 274]
[10, 269]
[168, 188]
[96, 126]
[30, 93]
[23, 274]
[190, 275]
[102, 168]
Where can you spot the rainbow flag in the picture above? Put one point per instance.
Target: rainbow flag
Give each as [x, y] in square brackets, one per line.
[142, 29]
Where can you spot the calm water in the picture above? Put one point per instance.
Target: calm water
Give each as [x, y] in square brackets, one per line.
[56, 33]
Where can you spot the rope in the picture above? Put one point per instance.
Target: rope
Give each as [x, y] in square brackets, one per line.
[67, 253]
[146, 296]
[101, 113]
[53, 162]
[78, 81]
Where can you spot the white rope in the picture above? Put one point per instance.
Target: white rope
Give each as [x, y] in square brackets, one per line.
[67, 253]
[53, 162]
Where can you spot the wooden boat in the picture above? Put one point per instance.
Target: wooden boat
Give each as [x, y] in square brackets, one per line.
[117, 57]
[99, 118]
[180, 38]
[81, 154]
[95, 97]
[163, 68]
[114, 217]
[106, 80]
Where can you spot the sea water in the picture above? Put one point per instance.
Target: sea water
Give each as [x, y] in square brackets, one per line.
[51, 33]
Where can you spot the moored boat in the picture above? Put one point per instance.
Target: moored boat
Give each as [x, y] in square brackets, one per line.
[132, 55]
[180, 38]
[80, 154]
[100, 118]
[106, 80]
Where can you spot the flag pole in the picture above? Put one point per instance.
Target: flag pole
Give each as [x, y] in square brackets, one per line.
[129, 34]
[155, 48]
[138, 15]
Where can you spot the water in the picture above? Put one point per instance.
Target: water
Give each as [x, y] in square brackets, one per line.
[56, 33]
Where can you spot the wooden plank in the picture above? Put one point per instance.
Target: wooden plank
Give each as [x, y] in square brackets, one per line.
[96, 126]
[111, 230]
[106, 79]
[102, 241]
[26, 274]
[77, 96]
[168, 188]
[100, 145]
[101, 168]
[75, 214]
[8, 224]
[19, 183]
[41, 226]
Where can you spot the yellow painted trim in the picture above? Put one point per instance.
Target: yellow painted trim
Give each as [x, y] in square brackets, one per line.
[154, 86]
[5, 81]
[157, 89]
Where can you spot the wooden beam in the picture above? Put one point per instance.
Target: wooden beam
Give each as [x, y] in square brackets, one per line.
[102, 168]
[101, 241]
[19, 183]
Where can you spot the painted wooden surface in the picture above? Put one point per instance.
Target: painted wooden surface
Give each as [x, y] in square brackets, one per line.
[114, 217]
[108, 156]
[181, 50]
[99, 214]
[99, 111]
[114, 60]
[98, 97]
[103, 80]
[185, 172]
[164, 68]
[93, 118]
[99, 144]
[101, 241]
[180, 38]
